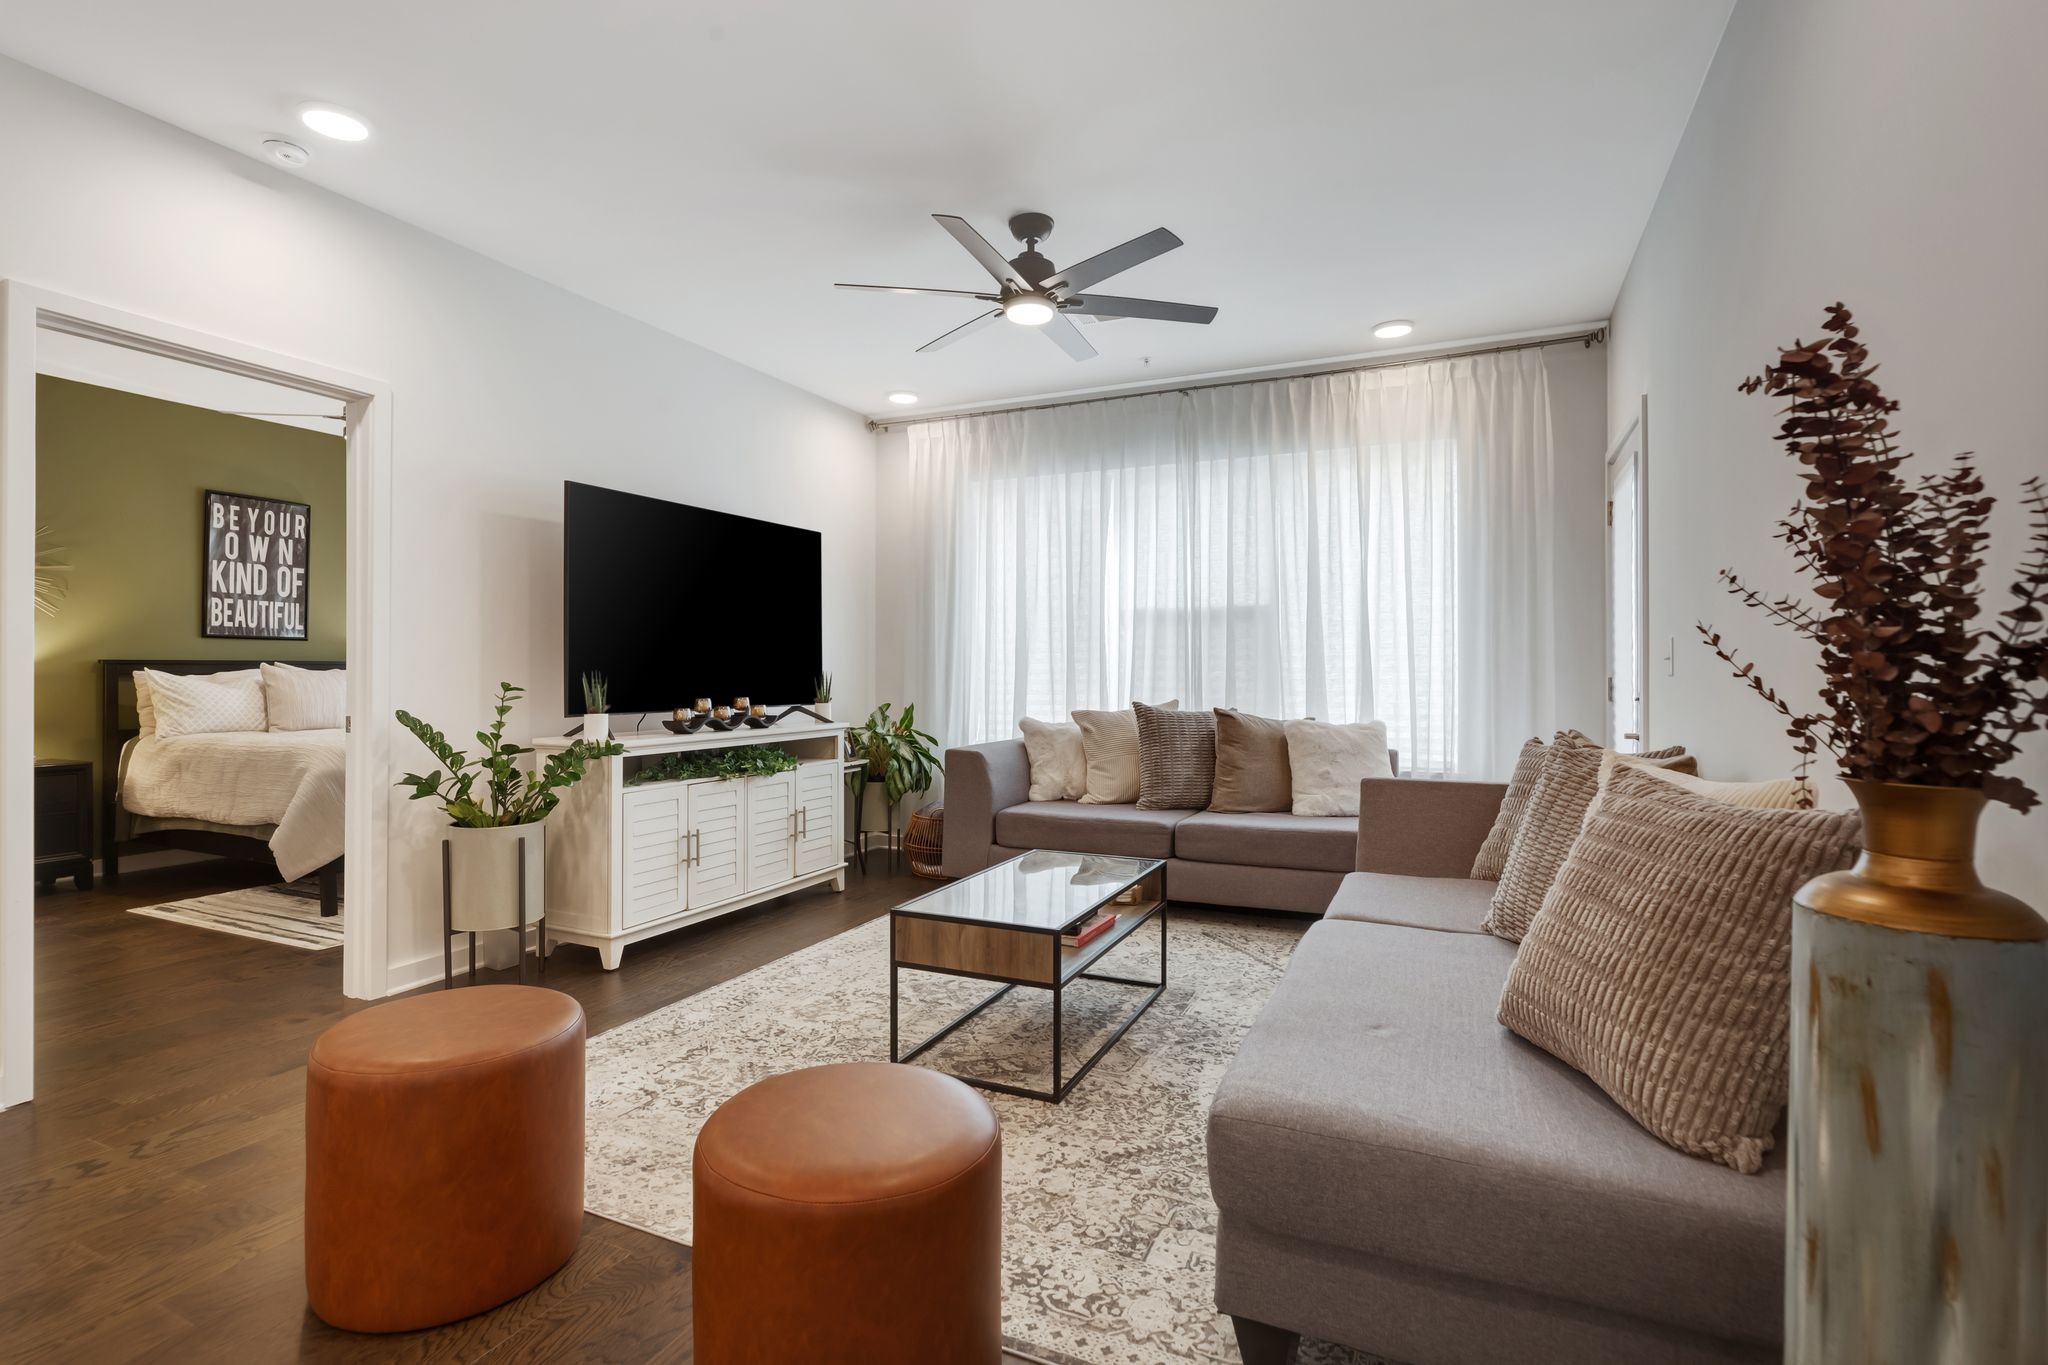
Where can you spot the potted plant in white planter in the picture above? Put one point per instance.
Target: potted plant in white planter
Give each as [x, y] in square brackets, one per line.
[492, 803]
[821, 701]
[597, 720]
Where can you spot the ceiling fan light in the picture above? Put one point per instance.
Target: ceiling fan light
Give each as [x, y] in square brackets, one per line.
[1394, 327]
[1028, 310]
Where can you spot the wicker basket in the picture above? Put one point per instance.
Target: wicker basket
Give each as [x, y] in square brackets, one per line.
[924, 841]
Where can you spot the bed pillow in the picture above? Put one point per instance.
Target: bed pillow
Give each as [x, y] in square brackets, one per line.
[207, 703]
[1059, 765]
[1176, 757]
[1251, 764]
[145, 704]
[1326, 762]
[1557, 809]
[1110, 739]
[1661, 964]
[305, 698]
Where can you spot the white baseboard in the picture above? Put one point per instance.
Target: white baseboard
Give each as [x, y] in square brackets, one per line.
[494, 952]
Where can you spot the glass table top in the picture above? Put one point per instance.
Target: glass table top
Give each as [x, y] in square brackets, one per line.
[1040, 890]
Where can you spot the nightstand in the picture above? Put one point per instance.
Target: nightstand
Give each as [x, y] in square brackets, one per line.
[63, 822]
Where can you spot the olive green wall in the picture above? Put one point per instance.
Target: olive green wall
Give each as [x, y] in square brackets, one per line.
[119, 484]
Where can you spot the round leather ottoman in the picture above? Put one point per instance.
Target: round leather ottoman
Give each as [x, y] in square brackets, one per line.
[444, 1155]
[847, 1215]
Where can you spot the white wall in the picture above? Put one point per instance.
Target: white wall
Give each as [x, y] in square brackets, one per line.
[1886, 153]
[502, 387]
[1578, 408]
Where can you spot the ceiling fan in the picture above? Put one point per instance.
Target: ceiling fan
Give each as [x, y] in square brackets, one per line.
[1031, 292]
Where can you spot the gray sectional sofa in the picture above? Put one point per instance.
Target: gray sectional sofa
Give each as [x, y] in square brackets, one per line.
[1263, 861]
[1395, 1171]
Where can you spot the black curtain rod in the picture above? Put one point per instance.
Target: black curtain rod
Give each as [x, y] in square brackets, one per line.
[1595, 336]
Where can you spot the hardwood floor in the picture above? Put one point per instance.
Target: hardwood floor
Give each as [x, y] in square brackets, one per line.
[150, 1197]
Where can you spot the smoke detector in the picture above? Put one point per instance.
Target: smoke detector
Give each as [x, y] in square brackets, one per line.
[286, 153]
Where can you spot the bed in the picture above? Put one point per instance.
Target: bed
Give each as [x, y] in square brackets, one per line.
[273, 797]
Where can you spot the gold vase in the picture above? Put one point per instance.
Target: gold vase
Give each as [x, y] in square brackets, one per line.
[1917, 1222]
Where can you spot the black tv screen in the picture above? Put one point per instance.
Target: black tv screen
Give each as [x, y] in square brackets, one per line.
[672, 603]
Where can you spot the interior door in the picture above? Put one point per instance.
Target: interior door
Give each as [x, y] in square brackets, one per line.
[1627, 650]
[817, 817]
[715, 861]
[771, 830]
[655, 836]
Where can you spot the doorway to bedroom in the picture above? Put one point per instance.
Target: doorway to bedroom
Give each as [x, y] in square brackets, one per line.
[191, 647]
[193, 583]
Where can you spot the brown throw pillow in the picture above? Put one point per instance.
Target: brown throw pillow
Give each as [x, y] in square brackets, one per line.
[1493, 854]
[1661, 964]
[1176, 758]
[1251, 764]
[1557, 807]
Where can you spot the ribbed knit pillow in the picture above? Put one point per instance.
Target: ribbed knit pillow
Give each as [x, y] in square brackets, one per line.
[1176, 758]
[1493, 854]
[1661, 964]
[1557, 807]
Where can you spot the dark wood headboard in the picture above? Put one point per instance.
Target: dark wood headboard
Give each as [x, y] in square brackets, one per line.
[117, 712]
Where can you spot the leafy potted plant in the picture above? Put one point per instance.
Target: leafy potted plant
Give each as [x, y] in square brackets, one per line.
[821, 699]
[492, 803]
[894, 752]
[1917, 1018]
[597, 721]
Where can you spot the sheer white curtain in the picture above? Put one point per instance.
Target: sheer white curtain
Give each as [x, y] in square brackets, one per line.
[1355, 546]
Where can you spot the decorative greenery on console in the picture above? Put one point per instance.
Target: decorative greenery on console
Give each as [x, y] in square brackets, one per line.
[511, 795]
[751, 760]
[1914, 689]
[597, 692]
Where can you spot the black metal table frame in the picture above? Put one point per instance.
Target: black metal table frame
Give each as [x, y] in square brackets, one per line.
[1060, 1088]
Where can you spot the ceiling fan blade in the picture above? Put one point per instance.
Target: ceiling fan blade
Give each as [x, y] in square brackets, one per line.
[972, 325]
[912, 289]
[992, 261]
[1114, 261]
[1113, 306]
[1068, 337]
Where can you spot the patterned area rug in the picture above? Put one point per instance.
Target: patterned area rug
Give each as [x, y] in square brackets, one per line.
[288, 913]
[1109, 1232]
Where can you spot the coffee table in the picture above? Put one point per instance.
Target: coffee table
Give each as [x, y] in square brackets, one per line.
[1004, 924]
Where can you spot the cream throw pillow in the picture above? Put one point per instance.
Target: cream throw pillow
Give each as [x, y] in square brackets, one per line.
[1783, 793]
[305, 698]
[1059, 764]
[207, 703]
[1329, 761]
[1661, 964]
[1110, 740]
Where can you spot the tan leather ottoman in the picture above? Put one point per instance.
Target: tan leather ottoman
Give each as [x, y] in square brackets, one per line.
[847, 1215]
[444, 1155]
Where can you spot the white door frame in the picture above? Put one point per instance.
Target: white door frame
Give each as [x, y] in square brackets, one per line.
[26, 311]
[1636, 435]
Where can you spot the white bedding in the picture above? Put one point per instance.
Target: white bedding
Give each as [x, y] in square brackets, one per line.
[288, 778]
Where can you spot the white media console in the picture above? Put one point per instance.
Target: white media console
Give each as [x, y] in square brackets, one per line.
[627, 861]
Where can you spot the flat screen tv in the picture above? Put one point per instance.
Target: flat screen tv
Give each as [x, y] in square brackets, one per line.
[672, 603]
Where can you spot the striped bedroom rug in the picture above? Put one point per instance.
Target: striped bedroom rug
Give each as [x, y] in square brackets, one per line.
[287, 914]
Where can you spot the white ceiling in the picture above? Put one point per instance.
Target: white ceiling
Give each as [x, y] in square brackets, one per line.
[1482, 166]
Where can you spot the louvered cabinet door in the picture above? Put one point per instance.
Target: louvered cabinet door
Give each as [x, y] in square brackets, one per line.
[771, 830]
[715, 852]
[654, 879]
[817, 820]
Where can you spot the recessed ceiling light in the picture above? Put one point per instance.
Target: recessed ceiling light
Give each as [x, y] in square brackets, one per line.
[286, 153]
[1397, 327]
[338, 124]
[903, 396]
[1028, 309]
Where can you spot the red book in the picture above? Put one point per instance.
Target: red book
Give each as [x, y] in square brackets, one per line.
[1090, 931]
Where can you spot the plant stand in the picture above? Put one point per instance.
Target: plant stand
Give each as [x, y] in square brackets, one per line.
[448, 930]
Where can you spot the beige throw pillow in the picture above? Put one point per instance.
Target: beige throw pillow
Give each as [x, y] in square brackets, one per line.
[1661, 964]
[207, 703]
[1493, 854]
[1251, 764]
[1176, 757]
[1557, 808]
[1110, 740]
[1326, 763]
[1059, 765]
[1782, 793]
